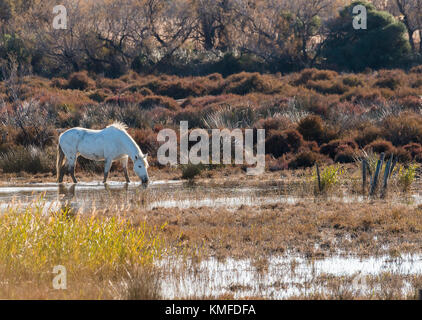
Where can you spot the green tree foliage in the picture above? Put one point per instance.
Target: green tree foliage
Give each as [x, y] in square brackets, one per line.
[382, 45]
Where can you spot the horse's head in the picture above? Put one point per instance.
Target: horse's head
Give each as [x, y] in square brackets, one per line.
[140, 167]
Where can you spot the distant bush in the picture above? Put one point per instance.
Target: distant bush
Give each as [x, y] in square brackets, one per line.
[403, 129]
[327, 87]
[352, 81]
[390, 83]
[80, 81]
[244, 83]
[190, 171]
[273, 124]
[333, 147]
[345, 154]
[368, 134]
[304, 159]
[281, 142]
[380, 146]
[311, 128]
[27, 159]
[151, 102]
[415, 150]
[416, 69]
[307, 75]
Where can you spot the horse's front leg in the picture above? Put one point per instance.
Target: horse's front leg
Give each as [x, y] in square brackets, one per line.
[124, 165]
[107, 168]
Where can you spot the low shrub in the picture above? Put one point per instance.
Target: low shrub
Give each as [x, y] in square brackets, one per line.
[329, 177]
[244, 83]
[190, 171]
[282, 142]
[151, 102]
[352, 81]
[368, 134]
[390, 83]
[380, 146]
[403, 129]
[280, 123]
[304, 159]
[327, 87]
[407, 176]
[415, 150]
[333, 147]
[27, 159]
[311, 128]
[345, 154]
[80, 81]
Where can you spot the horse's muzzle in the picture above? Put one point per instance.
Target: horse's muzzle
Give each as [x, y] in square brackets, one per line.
[145, 180]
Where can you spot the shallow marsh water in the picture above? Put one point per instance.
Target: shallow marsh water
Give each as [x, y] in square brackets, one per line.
[287, 276]
[277, 277]
[164, 194]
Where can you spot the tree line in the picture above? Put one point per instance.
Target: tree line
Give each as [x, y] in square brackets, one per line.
[194, 37]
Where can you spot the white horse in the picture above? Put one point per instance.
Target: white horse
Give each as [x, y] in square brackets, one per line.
[110, 144]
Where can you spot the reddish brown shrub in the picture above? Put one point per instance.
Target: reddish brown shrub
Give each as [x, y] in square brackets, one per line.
[311, 128]
[344, 154]
[352, 81]
[415, 150]
[146, 139]
[244, 83]
[273, 124]
[193, 116]
[403, 155]
[304, 160]
[380, 145]
[151, 102]
[333, 147]
[411, 102]
[281, 142]
[403, 129]
[80, 81]
[417, 69]
[368, 134]
[327, 87]
[100, 95]
[315, 75]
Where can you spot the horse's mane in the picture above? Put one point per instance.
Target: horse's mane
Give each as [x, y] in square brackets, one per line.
[121, 126]
[118, 125]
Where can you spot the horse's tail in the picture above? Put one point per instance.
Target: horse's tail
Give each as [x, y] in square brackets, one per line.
[60, 161]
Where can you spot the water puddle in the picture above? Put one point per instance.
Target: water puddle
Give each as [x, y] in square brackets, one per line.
[282, 277]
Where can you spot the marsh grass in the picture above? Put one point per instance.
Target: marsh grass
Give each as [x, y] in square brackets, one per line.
[95, 250]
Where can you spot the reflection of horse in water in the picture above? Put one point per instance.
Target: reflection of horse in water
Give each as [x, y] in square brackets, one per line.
[110, 144]
[71, 204]
[66, 197]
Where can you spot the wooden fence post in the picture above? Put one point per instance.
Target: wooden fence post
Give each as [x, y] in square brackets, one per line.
[319, 178]
[376, 174]
[386, 175]
[364, 176]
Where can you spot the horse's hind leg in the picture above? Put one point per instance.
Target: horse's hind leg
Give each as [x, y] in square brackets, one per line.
[124, 164]
[71, 167]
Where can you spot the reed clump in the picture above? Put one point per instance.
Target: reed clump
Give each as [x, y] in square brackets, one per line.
[99, 253]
